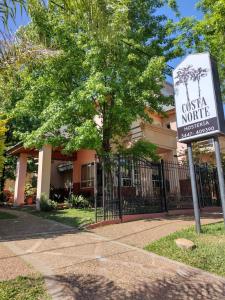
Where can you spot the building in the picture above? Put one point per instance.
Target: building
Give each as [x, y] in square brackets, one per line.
[76, 172]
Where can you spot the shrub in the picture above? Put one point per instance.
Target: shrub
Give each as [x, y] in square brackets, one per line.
[78, 201]
[29, 190]
[6, 196]
[47, 204]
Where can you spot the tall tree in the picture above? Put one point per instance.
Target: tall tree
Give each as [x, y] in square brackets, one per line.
[8, 9]
[206, 34]
[108, 64]
[111, 66]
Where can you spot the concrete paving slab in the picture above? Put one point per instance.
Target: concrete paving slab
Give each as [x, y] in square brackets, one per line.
[28, 226]
[12, 266]
[89, 265]
[142, 232]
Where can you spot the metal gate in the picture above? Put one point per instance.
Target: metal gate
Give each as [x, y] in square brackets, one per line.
[131, 185]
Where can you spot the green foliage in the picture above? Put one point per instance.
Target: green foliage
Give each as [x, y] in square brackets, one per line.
[208, 255]
[29, 190]
[5, 216]
[101, 60]
[144, 149]
[23, 287]
[47, 204]
[206, 34]
[73, 217]
[78, 201]
[3, 131]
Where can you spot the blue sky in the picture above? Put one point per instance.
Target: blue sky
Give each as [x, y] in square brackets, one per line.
[186, 7]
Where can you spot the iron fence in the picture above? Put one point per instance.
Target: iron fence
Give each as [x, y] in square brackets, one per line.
[129, 185]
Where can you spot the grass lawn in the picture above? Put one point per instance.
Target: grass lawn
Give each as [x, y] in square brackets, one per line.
[208, 255]
[5, 215]
[23, 288]
[74, 217]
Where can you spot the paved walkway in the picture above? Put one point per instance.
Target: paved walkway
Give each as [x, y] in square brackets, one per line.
[12, 266]
[90, 265]
[142, 232]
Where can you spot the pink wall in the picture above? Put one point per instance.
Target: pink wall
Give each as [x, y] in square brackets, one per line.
[83, 157]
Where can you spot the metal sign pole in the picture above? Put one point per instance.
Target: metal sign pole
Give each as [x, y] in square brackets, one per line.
[220, 173]
[194, 189]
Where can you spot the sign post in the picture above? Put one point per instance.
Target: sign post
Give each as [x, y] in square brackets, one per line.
[220, 173]
[199, 112]
[194, 189]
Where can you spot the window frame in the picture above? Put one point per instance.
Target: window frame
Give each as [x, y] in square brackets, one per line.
[90, 181]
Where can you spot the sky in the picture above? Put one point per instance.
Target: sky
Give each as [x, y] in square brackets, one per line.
[186, 8]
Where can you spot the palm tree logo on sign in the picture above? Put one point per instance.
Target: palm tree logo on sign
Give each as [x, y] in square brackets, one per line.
[187, 74]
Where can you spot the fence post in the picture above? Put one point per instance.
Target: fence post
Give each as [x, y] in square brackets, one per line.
[95, 188]
[119, 188]
[103, 186]
[164, 185]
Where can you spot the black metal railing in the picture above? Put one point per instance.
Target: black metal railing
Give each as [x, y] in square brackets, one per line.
[131, 185]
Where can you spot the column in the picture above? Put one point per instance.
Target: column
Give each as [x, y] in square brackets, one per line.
[21, 170]
[44, 173]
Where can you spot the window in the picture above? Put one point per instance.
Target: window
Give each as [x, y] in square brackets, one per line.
[129, 173]
[87, 175]
[156, 178]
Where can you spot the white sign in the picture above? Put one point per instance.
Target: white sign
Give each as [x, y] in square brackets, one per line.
[199, 108]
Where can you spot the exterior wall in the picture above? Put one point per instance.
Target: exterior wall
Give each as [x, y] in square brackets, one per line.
[83, 157]
[21, 170]
[162, 137]
[159, 132]
[59, 179]
[56, 177]
[170, 121]
[10, 183]
[222, 144]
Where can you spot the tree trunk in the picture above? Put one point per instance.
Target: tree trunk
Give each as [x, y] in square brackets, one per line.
[106, 145]
[107, 119]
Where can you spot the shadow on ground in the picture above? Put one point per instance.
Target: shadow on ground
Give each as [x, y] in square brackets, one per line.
[99, 287]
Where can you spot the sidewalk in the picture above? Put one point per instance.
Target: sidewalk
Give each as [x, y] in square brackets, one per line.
[12, 266]
[142, 232]
[87, 265]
